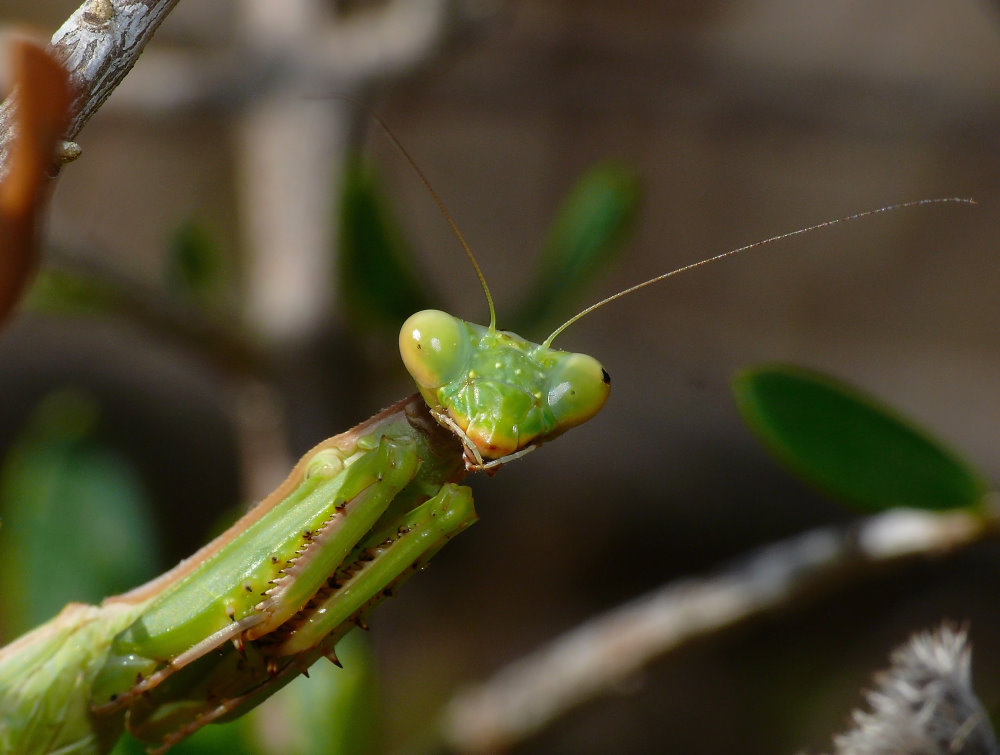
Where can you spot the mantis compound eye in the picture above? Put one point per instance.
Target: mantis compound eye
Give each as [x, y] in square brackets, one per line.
[578, 388]
[434, 347]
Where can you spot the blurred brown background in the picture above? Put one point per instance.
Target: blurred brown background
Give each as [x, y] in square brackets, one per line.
[745, 120]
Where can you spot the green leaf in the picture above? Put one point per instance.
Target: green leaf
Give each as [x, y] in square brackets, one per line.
[379, 287]
[850, 446]
[589, 229]
[196, 268]
[76, 522]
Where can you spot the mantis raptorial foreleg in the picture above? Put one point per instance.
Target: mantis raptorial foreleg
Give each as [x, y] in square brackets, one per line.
[233, 682]
[262, 578]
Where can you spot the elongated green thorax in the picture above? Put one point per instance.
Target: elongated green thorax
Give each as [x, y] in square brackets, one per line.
[503, 392]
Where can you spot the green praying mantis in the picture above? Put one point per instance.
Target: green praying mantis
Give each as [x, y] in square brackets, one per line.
[359, 514]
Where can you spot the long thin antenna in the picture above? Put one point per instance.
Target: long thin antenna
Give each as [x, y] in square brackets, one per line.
[440, 203]
[856, 216]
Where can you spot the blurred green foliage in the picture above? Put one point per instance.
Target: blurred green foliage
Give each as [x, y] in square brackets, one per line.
[850, 445]
[76, 520]
[196, 270]
[590, 228]
[379, 287]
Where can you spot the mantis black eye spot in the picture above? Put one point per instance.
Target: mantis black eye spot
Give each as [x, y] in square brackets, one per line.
[605, 376]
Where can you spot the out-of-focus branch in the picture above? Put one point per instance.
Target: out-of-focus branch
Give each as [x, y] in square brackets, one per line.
[98, 45]
[339, 55]
[215, 337]
[599, 654]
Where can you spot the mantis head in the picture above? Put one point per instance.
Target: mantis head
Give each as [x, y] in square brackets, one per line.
[502, 393]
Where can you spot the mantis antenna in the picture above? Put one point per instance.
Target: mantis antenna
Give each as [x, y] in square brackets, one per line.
[856, 216]
[441, 206]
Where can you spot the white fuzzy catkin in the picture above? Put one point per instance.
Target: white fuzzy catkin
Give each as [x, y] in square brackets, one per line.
[923, 704]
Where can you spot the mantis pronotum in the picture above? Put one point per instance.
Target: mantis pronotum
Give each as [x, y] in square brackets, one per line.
[357, 515]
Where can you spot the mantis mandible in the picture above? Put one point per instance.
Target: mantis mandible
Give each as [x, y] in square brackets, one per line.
[358, 515]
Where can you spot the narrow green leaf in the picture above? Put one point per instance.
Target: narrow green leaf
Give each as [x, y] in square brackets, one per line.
[851, 446]
[76, 523]
[587, 233]
[196, 269]
[378, 285]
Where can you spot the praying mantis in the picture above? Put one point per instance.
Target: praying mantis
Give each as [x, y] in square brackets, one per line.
[358, 515]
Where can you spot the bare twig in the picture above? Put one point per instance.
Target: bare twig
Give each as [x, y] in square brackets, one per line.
[598, 655]
[98, 45]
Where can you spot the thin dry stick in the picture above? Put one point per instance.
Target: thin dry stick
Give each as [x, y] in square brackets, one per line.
[595, 657]
[98, 45]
